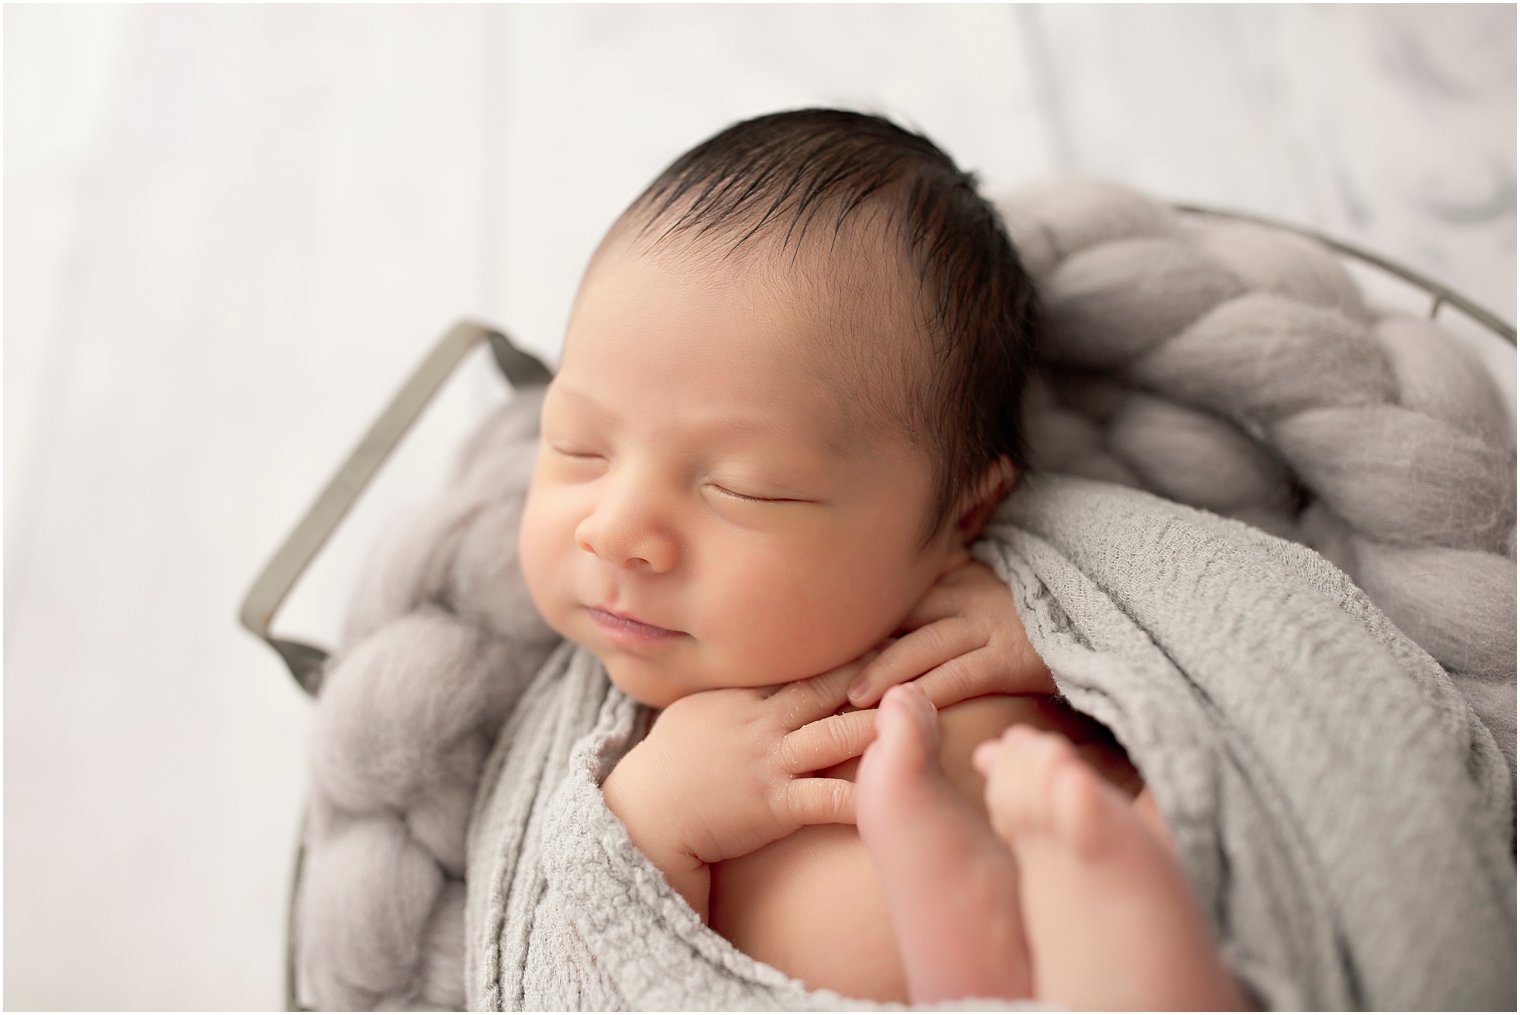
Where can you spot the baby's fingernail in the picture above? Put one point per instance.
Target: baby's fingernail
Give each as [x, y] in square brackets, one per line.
[857, 690]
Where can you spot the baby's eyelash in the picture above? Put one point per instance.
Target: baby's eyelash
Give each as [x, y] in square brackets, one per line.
[566, 452]
[755, 500]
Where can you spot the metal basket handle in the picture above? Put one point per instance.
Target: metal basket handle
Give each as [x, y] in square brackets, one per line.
[1439, 294]
[272, 586]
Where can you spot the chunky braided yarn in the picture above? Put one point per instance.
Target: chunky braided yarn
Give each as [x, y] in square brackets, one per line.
[1236, 368]
[1230, 367]
[440, 640]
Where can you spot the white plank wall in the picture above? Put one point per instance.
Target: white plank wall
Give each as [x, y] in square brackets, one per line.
[230, 232]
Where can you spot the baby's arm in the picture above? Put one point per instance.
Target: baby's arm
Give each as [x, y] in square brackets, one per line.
[725, 772]
[963, 639]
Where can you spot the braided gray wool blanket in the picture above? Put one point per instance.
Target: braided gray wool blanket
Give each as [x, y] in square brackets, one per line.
[1225, 366]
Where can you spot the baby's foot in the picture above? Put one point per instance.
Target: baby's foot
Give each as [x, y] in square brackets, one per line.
[951, 886]
[1111, 922]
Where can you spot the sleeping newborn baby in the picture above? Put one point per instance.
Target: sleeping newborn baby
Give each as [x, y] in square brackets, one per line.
[788, 399]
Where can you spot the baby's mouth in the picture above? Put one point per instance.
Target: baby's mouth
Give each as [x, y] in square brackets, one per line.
[626, 626]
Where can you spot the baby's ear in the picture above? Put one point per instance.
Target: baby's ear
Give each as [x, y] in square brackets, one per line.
[983, 498]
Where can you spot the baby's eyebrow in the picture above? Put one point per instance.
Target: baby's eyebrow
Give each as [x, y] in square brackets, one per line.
[823, 438]
[560, 387]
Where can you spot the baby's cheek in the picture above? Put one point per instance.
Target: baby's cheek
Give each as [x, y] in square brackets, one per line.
[830, 631]
[543, 554]
[531, 547]
[796, 611]
[863, 601]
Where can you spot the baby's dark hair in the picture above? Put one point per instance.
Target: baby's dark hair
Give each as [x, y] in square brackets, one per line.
[978, 303]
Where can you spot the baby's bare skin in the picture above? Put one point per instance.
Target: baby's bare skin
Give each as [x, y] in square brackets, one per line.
[1098, 917]
[815, 906]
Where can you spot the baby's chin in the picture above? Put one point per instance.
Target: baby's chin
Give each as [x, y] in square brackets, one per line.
[660, 682]
[658, 685]
[645, 683]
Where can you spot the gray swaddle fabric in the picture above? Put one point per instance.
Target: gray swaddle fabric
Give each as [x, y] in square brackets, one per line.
[1337, 807]
[1335, 802]
[1228, 367]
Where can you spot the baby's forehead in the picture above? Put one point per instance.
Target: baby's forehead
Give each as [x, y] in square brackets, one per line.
[870, 337]
[853, 283]
[841, 307]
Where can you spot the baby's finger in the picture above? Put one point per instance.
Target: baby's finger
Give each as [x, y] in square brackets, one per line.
[985, 671]
[828, 742]
[914, 655]
[966, 676]
[820, 801]
[805, 701]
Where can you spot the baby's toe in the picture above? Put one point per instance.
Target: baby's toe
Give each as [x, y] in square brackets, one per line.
[1038, 786]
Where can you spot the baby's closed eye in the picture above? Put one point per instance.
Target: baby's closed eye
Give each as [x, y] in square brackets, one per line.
[573, 451]
[755, 498]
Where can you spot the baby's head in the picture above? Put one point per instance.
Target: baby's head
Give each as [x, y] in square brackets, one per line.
[789, 395]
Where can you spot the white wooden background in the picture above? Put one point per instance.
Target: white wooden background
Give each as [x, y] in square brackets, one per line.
[230, 232]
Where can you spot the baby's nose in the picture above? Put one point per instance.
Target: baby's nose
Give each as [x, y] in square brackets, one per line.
[626, 530]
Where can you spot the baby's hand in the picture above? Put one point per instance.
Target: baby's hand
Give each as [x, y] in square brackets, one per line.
[964, 639]
[727, 771]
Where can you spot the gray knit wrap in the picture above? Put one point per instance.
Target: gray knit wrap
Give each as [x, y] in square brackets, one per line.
[1226, 366]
